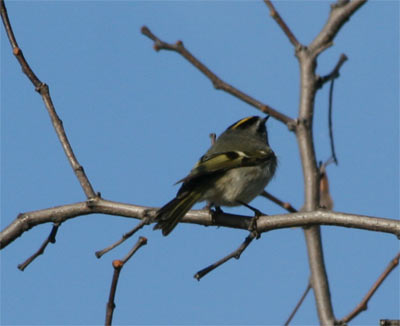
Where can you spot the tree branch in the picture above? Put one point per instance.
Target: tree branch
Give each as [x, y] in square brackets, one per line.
[334, 73]
[296, 308]
[340, 13]
[279, 202]
[125, 236]
[216, 81]
[307, 56]
[118, 264]
[275, 15]
[50, 239]
[363, 305]
[60, 214]
[44, 91]
[235, 254]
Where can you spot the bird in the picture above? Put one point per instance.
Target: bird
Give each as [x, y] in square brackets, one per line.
[235, 169]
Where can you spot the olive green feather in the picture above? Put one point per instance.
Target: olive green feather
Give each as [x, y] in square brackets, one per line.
[170, 214]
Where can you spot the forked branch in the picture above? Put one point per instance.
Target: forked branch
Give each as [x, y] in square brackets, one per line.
[118, 264]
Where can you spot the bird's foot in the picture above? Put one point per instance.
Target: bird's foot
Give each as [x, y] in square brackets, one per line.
[213, 211]
[253, 223]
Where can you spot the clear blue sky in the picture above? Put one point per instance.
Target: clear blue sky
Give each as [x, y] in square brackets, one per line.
[138, 120]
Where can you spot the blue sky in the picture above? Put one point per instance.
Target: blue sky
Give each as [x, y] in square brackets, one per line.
[138, 120]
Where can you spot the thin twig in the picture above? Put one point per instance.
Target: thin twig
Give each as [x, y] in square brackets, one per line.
[118, 264]
[389, 322]
[125, 236]
[216, 81]
[275, 15]
[279, 202]
[330, 124]
[335, 73]
[235, 254]
[50, 239]
[363, 305]
[296, 308]
[43, 90]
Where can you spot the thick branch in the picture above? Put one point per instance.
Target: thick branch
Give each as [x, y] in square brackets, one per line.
[319, 279]
[216, 81]
[43, 90]
[340, 13]
[60, 214]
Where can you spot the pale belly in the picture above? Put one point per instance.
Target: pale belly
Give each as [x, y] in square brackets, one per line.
[239, 185]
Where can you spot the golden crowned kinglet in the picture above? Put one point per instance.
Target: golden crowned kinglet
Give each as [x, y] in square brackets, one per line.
[235, 170]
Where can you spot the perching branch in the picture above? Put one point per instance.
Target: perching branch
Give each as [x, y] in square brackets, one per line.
[118, 264]
[60, 214]
[217, 82]
[363, 305]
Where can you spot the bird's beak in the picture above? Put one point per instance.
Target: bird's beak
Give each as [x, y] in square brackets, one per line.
[266, 118]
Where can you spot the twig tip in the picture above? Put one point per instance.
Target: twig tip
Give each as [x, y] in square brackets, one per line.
[117, 264]
[144, 30]
[21, 267]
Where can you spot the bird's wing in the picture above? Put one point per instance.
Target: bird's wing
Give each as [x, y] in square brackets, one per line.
[218, 162]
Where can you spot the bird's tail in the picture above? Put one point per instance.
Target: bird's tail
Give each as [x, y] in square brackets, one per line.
[169, 215]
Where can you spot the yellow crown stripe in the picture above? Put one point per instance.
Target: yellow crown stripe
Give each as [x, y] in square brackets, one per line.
[237, 124]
